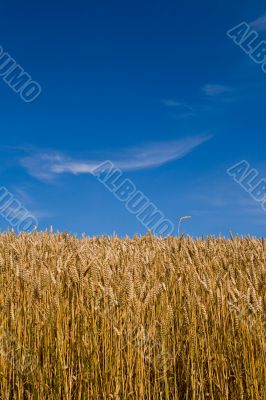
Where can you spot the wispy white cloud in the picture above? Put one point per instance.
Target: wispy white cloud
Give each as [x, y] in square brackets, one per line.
[47, 165]
[224, 199]
[21, 193]
[178, 104]
[19, 205]
[259, 24]
[215, 89]
[179, 109]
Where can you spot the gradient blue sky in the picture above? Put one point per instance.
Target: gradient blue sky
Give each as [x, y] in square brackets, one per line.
[120, 78]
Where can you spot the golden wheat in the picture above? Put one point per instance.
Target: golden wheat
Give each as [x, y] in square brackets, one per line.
[142, 318]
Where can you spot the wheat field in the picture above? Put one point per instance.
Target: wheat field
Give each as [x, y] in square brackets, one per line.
[142, 318]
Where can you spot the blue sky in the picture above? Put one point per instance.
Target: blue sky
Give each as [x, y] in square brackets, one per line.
[155, 86]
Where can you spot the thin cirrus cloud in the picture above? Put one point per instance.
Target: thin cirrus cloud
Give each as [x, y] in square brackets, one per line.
[46, 166]
[180, 109]
[213, 90]
[259, 24]
[177, 104]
